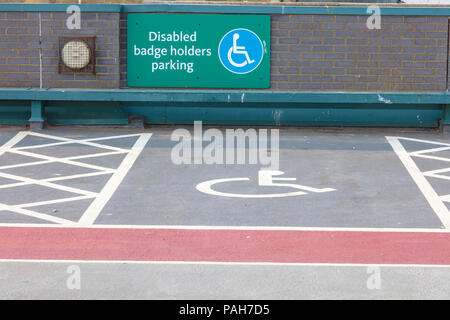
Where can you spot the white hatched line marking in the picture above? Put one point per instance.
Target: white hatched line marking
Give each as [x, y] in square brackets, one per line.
[108, 190]
[82, 142]
[85, 142]
[74, 141]
[437, 171]
[13, 141]
[114, 137]
[428, 151]
[66, 158]
[75, 176]
[100, 198]
[437, 176]
[47, 184]
[35, 214]
[20, 165]
[425, 187]
[424, 141]
[43, 203]
[82, 175]
[431, 157]
[61, 160]
[95, 155]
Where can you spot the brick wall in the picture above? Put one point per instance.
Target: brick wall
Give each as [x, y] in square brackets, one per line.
[326, 52]
[147, 1]
[74, 1]
[123, 50]
[309, 52]
[337, 52]
[19, 50]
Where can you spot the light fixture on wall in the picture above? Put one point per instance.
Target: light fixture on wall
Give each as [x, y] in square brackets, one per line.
[76, 55]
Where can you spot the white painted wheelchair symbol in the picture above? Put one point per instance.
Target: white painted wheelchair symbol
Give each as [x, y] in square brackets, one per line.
[235, 49]
[266, 179]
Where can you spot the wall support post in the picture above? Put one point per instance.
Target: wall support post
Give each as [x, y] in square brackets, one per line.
[37, 119]
[446, 119]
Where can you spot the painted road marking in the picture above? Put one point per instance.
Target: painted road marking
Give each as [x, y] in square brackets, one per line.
[210, 227]
[237, 245]
[286, 264]
[436, 201]
[100, 198]
[434, 173]
[234, 246]
[34, 214]
[265, 179]
[97, 205]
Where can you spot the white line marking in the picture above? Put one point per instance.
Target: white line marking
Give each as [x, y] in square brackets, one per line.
[20, 165]
[424, 141]
[429, 151]
[16, 139]
[48, 184]
[437, 176]
[12, 166]
[114, 137]
[242, 228]
[430, 195]
[76, 176]
[42, 203]
[212, 263]
[61, 160]
[436, 171]
[34, 214]
[68, 141]
[108, 190]
[431, 157]
[97, 205]
[74, 141]
[82, 175]
[95, 155]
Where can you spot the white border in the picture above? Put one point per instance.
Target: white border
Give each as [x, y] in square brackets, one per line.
[284, 264]
[434, 200]
[243, 228]
[100, 198]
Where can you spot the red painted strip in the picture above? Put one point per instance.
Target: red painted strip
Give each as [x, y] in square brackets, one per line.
[225, 245]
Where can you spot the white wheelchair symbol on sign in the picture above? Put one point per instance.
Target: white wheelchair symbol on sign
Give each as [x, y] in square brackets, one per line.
[266, 179]
[238, 50]
[241, 51]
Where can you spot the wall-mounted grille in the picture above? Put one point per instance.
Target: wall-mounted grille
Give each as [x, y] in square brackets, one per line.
[76, 55]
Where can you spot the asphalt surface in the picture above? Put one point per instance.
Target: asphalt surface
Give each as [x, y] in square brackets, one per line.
[193, 281]
[371, 189]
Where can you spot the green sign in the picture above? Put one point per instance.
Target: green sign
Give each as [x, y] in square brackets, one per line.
[198, 51]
